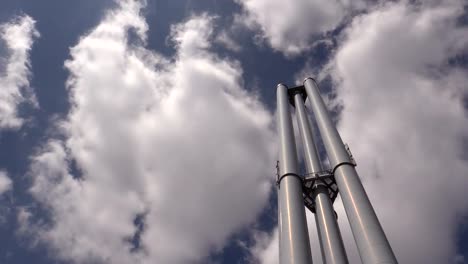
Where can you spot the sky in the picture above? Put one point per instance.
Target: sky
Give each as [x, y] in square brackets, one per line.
[137, 131]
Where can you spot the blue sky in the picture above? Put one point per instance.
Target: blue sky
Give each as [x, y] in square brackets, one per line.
[143, 132]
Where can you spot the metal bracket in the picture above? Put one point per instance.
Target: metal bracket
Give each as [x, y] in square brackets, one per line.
[277, 173]
[351, 158]
[279, 178]
[296, 90]
[310, 184]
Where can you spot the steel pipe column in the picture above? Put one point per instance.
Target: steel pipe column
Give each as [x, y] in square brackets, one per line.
[331, 243]
[294, 238]
[370, 238]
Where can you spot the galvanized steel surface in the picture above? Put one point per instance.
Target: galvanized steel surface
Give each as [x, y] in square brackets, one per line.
[311, 156]
[370, 238]
[333, 250]
[331, 243]
[293, 233]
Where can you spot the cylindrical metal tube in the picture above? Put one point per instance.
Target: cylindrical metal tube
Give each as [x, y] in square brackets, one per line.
[331, 243]
[370, 238]
[294, 238]
[311, 157]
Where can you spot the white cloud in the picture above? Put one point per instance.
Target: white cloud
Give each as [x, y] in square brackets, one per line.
[5, 182]
[265, 249]
[178, 141]
[292, 26]
[404, 119]
[227, 41]
[18, 36]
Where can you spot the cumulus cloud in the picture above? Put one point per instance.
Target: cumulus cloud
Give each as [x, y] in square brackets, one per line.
[406, 104]
[18, 37]
[292, 26]
[403, 117]
[5, 182]
[172, 154]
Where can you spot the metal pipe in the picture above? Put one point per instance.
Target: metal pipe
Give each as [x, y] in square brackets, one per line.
[311, 157]
[331, 243]
[294, 242]
[333, 250]
[370, 238]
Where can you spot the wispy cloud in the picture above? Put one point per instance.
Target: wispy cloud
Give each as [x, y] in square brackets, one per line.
[18, 36]
[5, 182]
